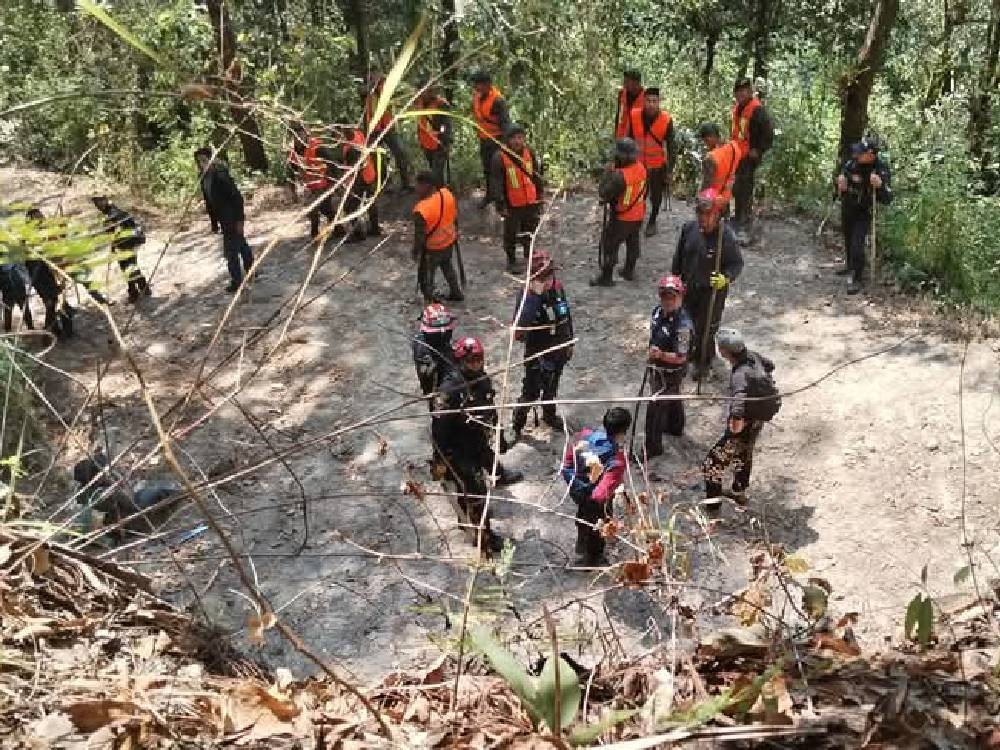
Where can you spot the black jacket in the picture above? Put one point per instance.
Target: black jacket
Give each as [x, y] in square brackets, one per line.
[223, 200]
[464, 437]
[694, 259]
[859, 187]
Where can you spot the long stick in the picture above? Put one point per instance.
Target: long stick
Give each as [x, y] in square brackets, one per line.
[461, 265]
[874, 231]
[635, 412]
[703, 352]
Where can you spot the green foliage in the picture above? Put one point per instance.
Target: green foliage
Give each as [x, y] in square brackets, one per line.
[919, 622]
[537, 694]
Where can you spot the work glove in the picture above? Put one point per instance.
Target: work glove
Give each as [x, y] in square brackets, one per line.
[718, 281]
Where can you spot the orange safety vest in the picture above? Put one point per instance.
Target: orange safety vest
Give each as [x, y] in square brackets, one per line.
[726, 158]
[740, 130]
[517, 175]
[439, 212]
[652, 151]
[624, 111]
[425, 127]
[487, 125]
[371, 101]
[368, 173]
[631, 204]
[314, 169]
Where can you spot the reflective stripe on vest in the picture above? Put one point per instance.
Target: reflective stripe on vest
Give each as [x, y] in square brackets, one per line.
[425, 126]
[625, 110]
[488, 126]
[368, 173]
[652, 150]
[521, 189]
[739, 132]
[439, 212]
[631, 204]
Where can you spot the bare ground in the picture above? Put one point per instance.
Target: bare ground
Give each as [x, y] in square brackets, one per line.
[861, 475]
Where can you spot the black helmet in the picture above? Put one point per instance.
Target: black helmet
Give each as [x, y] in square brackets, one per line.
[617, 420]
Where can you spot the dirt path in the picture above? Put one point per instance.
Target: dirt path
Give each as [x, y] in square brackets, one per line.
[861, 476]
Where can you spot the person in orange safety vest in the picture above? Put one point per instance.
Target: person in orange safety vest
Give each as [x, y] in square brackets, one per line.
[623, 190]
[312, 165]
[434, 236]
[630, 96]
[718, 168]
[435, 132]
[753, 133]
[383, 131]
[489, 110]
[653, 131]
[516, 187]
[366, 184]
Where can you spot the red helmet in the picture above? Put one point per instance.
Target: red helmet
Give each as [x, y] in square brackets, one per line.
[541, 262]
[673, 283]
[468, 346]
[437, 318]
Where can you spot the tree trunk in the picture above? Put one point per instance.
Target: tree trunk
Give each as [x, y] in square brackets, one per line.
[356, 15]
[146, 134]
[981, 102]
[761, 29]
[711, 39]
[856, 86]
[449, 52]
[238, 89]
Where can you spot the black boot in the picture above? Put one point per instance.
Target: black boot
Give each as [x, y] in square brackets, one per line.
[507, 476]
[553, 420]
[603, 279]
[854, 285]
[628, 273]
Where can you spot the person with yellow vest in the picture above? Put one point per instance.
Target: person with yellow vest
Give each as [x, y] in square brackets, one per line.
[653, 131]
[434, 236]
[516, 188]
[434, 132]
[630, 96]
[365, 186]
[718, 168]
[310, 164]
[622, 190]
[384, 131]
[753, 133]
[489, 110]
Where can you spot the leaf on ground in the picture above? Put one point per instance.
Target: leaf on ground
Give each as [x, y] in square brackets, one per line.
[609, 529]
[828, 642]
[749, 605]
[569, 693]
[41, 563]
[506, 666]
[814, 601]
[257, 624]
[413, 487]
[588, 735]
[655, 552]
[51, 727]
[796, 565]
[89, 716]
[635, 572]
[278, 703]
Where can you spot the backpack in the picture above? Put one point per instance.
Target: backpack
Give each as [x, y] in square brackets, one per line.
[592, 455]
[760, 385]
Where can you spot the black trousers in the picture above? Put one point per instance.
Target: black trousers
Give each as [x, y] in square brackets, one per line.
[437, 161]
[137, 284]
[589, 540]
[237, 252]
[467, 474]
[731, 449]
[395, 146]
[432, 261]
[656, 181]
[615, 234]
[519, 227]
[663, 416]
[696, 302]
[486, 150]
[743, 186]
[856, 224]
[324, 208]
[541, 381]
